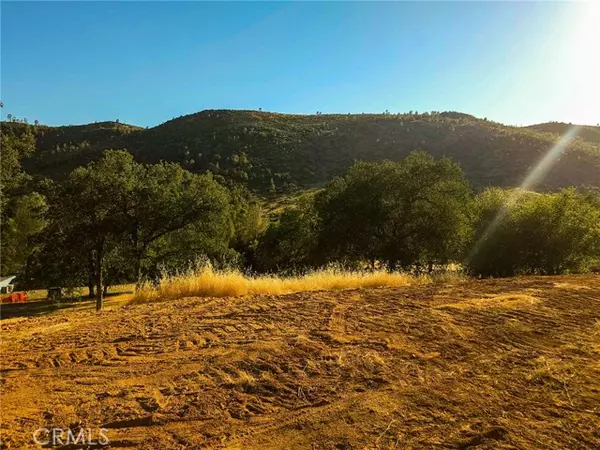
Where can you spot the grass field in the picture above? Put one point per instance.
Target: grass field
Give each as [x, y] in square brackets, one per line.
[504, 363]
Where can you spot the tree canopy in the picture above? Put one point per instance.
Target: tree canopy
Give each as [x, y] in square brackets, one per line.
[412, 212]
[530, 233]
[116, 209]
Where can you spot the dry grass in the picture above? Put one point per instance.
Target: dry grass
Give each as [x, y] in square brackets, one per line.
[209, 282]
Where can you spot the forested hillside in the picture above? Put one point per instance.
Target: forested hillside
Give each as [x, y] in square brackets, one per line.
[115, 216]
[273, 152]
[588, 133]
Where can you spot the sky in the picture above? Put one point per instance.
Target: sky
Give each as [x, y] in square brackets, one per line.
[146, 62]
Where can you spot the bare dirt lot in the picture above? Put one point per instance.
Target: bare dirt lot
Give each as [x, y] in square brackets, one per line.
[512, 363]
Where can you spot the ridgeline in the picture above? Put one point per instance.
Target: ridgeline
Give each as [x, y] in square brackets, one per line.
[273, 152]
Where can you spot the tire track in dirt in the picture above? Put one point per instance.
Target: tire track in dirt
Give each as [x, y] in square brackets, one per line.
[421, 366]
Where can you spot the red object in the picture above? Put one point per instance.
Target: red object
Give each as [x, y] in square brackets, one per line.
[15, 297]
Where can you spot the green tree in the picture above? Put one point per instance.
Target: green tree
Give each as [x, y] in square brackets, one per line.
[65, 258]
[21, 210]
[166, 198]
[530, 233]
[122, 215]
[93, 204]
[406, 214]
[20, 230]
[248, 223]
[290, 242]
[14, 146]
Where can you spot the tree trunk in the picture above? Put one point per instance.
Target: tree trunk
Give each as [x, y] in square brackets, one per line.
[139, 250]
[27, 274]
[105, 289]
[91, 275]
[99, 260]
[138, 270]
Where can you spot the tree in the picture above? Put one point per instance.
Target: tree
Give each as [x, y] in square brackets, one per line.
[14, 146]
[19, 231]
[290, 242]
[65, 257]
[406, 214]
[248, 223]
[20, 211]
[93, 204]
[520, 232]
[120, 214]
[166, 199]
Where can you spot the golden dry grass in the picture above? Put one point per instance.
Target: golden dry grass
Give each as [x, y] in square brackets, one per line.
[209, 282]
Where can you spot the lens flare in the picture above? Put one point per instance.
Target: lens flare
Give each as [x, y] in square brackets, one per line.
[531, 180]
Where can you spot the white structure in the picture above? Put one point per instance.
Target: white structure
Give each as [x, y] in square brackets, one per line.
[5, 284]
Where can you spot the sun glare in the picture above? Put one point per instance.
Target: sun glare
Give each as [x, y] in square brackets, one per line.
[583, 62]
[533, 178]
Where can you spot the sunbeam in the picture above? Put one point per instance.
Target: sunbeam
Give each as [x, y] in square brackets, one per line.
[531, 180]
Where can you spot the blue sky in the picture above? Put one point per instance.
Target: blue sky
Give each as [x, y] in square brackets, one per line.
[147, 62]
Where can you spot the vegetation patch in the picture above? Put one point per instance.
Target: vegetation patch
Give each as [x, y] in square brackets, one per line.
[129, 215]
[208, 282]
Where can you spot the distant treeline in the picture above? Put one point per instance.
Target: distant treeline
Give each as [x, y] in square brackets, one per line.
[116, 220]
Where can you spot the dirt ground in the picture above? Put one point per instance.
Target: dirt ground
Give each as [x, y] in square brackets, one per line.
[511, 363]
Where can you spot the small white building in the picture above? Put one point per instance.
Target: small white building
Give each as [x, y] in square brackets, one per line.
[6, 286]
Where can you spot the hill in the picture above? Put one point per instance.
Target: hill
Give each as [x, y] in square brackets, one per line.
[61, 149]
[494, 364]
[284, 152]
[588, 133]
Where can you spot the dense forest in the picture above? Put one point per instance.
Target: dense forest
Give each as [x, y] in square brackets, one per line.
[106, 203]
[279, 153]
